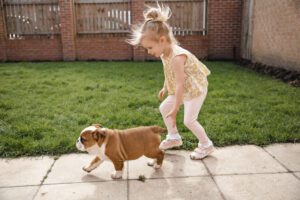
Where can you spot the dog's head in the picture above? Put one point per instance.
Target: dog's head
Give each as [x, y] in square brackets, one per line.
[91, 138]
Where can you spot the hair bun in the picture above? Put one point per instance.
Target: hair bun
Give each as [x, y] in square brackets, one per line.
[161, 13]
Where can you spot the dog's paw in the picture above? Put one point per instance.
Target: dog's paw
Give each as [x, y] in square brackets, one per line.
[86, 169]
[116, 175]
[156, 166]
[151, 163]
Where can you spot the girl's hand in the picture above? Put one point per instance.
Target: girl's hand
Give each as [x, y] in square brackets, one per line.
[161, 94]
[172, 115]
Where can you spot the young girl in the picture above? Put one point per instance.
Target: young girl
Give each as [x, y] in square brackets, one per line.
[185, 79]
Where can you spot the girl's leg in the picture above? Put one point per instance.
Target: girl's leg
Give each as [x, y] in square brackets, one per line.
[164, 108]
[173, 138]
[191, 111]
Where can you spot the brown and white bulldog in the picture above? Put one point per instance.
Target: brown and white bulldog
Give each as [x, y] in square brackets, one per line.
[121, 145]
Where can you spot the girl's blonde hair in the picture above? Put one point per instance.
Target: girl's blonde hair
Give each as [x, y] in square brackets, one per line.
[155, 20]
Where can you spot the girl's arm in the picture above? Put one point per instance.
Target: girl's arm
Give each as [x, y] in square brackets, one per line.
[178, 66]
[165, 85]
[162, 92]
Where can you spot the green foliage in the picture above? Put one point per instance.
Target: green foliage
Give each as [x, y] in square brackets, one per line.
[44, 106]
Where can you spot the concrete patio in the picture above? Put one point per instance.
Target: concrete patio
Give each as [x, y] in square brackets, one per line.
[235, 172]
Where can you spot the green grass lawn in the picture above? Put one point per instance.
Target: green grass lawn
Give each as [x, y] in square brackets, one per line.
[44, 106]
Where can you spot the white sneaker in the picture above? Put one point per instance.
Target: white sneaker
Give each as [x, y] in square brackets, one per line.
[202, 151]
[170, 143]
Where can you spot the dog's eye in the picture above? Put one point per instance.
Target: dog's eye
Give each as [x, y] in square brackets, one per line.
[82, 140]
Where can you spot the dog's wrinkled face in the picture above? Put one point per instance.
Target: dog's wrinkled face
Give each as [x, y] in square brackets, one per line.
[91, 138]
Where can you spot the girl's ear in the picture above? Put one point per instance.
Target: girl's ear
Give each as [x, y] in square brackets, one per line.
[162, 39]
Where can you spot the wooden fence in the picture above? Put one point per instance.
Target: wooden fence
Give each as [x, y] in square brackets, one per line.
[31, 17]
[188, 16]
[102, 16]
[41, 17]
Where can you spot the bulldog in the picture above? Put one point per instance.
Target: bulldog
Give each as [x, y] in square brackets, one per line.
[121, 145]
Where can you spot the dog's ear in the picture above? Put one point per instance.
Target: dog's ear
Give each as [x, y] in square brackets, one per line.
[99, 133]
[97, 125]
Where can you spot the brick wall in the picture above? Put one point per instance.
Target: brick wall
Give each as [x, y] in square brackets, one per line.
[2, 37]
[276, 33]
[103, 47]
[224, 18]
[68, 31]
[224, 28]
[137, 8]
[37, 49]
[197, 44]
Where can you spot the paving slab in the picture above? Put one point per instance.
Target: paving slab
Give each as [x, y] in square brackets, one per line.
[68, 169]
[240, 172]
[287, 154]
[15, 193]
[297, 174]
[175, 164]
[259, 186]
[241, 160]
[174, 188]
[109, 190]
[24, 171]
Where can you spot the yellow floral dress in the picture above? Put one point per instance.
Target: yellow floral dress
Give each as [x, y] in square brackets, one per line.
[195, 74]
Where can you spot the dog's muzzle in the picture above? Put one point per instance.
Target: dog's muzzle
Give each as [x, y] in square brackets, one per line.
[79, 145]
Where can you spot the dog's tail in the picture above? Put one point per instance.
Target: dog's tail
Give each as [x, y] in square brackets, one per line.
[158, 129]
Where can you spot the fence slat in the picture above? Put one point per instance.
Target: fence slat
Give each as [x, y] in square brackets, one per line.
[10, 22]
[17, 21]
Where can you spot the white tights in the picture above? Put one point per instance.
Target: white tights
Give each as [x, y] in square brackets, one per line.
[191, 111]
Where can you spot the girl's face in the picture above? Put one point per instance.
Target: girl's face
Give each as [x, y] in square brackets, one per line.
[154, 48]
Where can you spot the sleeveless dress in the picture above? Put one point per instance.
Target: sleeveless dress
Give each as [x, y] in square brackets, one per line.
[195, 80]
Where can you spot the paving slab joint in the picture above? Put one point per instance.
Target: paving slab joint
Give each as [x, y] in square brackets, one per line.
[45, 177]
[274, 157]
[212, 177]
